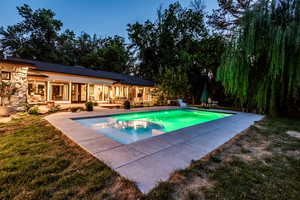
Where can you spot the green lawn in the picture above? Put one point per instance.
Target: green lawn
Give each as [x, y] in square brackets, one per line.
[38, 162]
[262, 163]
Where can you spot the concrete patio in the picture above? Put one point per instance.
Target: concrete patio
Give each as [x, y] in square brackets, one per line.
[152, 160]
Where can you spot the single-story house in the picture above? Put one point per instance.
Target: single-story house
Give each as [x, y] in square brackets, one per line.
[41, 82]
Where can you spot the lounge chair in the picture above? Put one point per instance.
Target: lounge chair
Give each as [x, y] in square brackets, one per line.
[181, 103]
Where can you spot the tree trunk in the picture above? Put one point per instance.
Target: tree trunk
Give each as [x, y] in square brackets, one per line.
[274, 99]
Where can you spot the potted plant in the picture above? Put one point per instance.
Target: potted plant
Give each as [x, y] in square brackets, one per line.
[89, 106]
[126, 104]
[7, 89]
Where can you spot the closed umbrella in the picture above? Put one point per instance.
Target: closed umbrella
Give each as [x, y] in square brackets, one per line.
[204, 96]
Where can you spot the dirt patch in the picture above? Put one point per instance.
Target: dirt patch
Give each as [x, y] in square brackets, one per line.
[294, 134]
[5, 119]
[124, 189]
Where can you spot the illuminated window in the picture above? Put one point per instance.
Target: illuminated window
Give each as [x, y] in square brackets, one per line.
[92, 90]
[37, 91]
[59, 91]
[6, 75]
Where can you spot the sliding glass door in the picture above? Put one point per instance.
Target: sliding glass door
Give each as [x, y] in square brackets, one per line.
[79, 93]
[59, 91]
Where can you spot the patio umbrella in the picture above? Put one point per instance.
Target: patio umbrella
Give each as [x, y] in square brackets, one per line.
[204, 96]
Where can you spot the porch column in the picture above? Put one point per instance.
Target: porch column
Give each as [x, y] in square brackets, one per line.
[102, 93]
[48, 90]
[144, 94]
[88, 92]
[70, 92]
[136, 92]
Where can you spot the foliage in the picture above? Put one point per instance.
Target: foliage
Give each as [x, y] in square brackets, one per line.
[178, 41]
[33, 110]
[76, 108]
[261, 65]
[174, 83]
[89, 106]
[228, 16]
[161, 43]
[126, 104]
[27, 106]
[38, 37]
[35, 36]
[54, 108]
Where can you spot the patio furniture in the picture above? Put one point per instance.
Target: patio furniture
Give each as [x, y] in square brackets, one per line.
[181, 103]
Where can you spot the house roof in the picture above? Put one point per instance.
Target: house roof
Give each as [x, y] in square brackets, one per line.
[83, 71]
[16, 62]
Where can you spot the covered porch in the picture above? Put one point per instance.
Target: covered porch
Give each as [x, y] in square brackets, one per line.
[65, 89]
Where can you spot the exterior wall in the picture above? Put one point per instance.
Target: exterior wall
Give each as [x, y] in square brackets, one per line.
[97, 90]
[18, 78]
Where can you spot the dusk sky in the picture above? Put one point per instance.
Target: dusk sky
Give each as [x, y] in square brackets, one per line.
[103, 17]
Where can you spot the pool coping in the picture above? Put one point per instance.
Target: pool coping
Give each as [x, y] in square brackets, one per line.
[151, 160]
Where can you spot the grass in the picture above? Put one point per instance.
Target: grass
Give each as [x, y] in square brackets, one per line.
[38, 162]
[262, 163]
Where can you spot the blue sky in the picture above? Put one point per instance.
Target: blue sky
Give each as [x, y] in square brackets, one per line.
[103, 17]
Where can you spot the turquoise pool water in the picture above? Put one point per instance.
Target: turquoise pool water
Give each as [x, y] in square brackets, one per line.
[132, 127]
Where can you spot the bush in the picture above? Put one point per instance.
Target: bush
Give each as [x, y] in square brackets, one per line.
[126, 104]
[95, 103]
[76, 109]
[89, 106]
[54, 108]
[33, 110]
[26, 107]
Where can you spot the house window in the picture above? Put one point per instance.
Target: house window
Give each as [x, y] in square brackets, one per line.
[6, 75]
[37, 91]
[140, 92]
[59, 91]
[92, 90]
[92, 93]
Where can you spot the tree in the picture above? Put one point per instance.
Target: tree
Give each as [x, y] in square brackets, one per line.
[261, 66]
[228, 16]
[108, 54]
[34, 37]
[174, 83]
[38, 37]
[159, 44]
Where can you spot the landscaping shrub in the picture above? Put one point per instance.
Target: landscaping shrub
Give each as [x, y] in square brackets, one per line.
[76, 109]
[26, 107]
[33, 110]
[126, 104]
[95, 103]
[54, 108]
[89, 106]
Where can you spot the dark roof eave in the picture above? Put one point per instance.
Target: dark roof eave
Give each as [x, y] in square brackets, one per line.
[33, 66]
[82, 71]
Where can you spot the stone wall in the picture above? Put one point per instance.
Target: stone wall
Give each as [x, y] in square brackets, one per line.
[19, 79]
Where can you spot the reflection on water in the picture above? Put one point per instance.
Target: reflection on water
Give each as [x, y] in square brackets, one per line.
[132, 127]
[138, 126]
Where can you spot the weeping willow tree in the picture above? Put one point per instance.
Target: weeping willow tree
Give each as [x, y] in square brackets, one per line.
[261, 66]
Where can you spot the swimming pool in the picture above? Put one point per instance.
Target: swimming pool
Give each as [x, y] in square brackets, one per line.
[132, 127]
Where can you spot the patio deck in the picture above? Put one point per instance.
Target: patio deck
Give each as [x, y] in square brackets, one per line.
[149, 161]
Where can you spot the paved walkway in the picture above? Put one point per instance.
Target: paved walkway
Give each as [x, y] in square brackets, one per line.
[152, 160]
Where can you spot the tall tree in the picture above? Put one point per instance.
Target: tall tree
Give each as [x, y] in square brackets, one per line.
[261, 66]
[38, 37]
[108, 54]
[228, 16]
[34, 37]
[159, 44]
